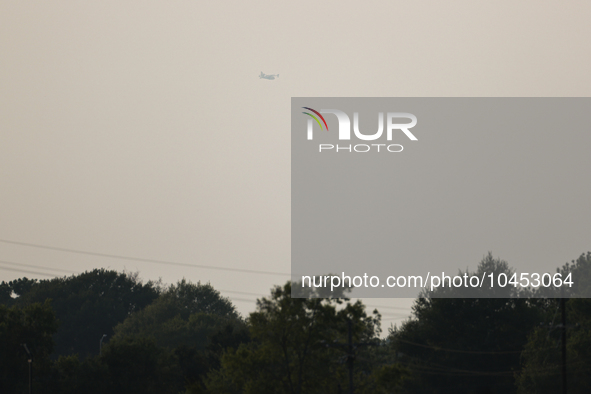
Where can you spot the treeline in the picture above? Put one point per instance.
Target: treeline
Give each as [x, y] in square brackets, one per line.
[499, 345]
[187, 338]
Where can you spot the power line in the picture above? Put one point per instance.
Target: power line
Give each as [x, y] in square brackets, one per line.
[114, 256]
[242, 299]
[388, 307]
[394, 318]
[243, 292]
[27, 271]
[372, 306]
[220, 290]
[161, 262]
[37, 266]
[152, 261]
[455, 350]
[437, 369]
[393, 315]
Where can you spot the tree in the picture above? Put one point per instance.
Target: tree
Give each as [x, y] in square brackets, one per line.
[138, 365]
[291, 349]
[577, 276]
[10, 291]
[186, 314]
[193, 321]
[462, 345]
[128, 365]
[34, 326]
[541, 358]
[88, 305]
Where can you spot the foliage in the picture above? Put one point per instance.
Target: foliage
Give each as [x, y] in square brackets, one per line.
[188, 338]
[194, 322]
[580, 274]
[138, 365]
[132, 366]
[462, 345]
[10, 291]
[186, 314]
[34, 326]
[296, 346]
[89, 305]
[542, 368]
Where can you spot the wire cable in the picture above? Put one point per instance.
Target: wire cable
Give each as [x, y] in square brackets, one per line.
[114, 256]
[38, 266]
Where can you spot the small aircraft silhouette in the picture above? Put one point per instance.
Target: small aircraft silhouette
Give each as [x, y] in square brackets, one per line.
[270, 76]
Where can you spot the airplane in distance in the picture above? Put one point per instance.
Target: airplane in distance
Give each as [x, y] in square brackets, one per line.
[269, 76]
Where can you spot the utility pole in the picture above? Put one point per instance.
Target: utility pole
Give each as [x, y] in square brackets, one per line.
[101, 344]
[350, 356]
[350, 347]
[30, 360]
[563, 327]
[30, 375]
[563, 307]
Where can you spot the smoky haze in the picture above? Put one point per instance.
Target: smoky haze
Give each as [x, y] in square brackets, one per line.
[142, 129]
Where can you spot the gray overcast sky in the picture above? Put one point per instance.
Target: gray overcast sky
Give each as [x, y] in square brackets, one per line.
[141, 128]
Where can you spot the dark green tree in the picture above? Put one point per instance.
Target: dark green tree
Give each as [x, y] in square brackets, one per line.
[193, 321]
[88, 305]
[466, 345]
[296, 347]
[138, 365]
[10, 291]
[542, 357]
[185, 314]
[34, 326]
[128, 365]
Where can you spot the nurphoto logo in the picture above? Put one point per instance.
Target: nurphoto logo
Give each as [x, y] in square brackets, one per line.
[344, 133]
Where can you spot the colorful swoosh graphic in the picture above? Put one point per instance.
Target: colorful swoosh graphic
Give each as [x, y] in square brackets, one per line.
[317, 113]
[315, 118]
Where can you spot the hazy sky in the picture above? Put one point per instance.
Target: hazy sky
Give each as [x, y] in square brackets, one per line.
[141, 128]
